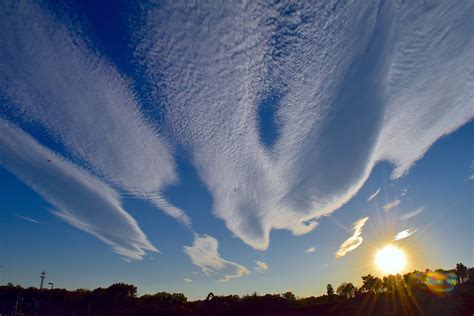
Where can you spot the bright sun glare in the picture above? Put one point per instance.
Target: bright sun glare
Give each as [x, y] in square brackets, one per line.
[390, 260]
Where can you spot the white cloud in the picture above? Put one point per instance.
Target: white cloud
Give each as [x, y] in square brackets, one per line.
[419, 88]
[29, 219]
[261, 266]
[404, 192]
[387, 207]
[79, 198]
[51, 76]
[404, 234]
[215, 77]
[355, 240]
[407, 81]
[204, 254]
[412, 213]
[310, 249]
[187, 280]
[373, 195]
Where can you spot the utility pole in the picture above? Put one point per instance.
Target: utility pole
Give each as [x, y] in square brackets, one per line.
[51, 283]
[43, 276]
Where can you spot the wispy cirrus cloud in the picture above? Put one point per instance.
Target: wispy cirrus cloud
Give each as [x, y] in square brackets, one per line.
[311, 249]
[215, 78]
[79, 198]
[355, 240]
[412, 213]
[50, 75]
[204, 254]
[187, 280]
[404, 234]
[387, 207]
[26, 218]
[373, 195]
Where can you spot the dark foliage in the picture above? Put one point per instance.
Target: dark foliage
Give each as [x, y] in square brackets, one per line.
[329, 290]
[439, 292]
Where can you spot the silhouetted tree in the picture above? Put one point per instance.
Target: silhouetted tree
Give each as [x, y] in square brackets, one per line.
[461, 272]
[371, 283]
[388, 282]
[393, 282]
[347, 290]
[164, 298]
[470, 274]
[119, 293]
[289, 296]
[329, 290]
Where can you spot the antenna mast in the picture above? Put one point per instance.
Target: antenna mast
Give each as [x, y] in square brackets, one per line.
[43, 276]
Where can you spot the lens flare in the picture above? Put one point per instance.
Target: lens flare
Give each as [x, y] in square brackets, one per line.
[440, 282]
[390, 260]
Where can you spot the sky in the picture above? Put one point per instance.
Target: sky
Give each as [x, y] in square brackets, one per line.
[233, 147]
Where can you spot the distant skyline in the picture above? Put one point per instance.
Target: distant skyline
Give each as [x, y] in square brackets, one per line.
[233, 147]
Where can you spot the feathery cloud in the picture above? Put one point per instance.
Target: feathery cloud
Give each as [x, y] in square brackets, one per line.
[187, 280]
[412, 213]
[404, 234]
[387, 207]
[373, 195]
[81, 99]
[204, 254]
[215, 78]
[355, 240]
[79, 198]
[310, 249]
[211, 81]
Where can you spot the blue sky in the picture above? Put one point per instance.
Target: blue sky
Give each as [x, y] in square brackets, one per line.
[234, 148]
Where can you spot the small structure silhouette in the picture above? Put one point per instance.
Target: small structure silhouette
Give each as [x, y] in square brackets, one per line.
[210, 297]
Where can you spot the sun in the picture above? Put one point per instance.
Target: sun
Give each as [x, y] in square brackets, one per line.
[390, 260]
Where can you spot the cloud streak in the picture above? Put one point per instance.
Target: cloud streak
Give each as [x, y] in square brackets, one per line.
[413, 213]
[29, 219]
[310, 250]
[355, 240]
[404, 234]
[387, 207]
[204, 254]
[79, 198]
[373, 195]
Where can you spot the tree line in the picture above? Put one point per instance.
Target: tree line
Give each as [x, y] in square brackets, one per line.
[442, 292]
